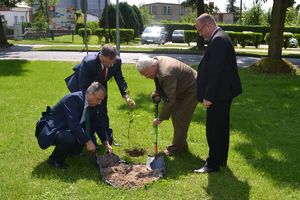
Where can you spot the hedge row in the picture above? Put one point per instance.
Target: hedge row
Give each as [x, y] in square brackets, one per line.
[126, 35]
[243, 38]
[170, 27]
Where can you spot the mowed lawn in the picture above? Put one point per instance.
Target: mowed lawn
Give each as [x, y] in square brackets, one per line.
[264, 157]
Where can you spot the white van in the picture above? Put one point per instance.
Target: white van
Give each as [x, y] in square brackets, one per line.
[155, 35]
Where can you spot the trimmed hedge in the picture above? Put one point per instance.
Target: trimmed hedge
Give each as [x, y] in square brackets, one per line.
[88, 32]
[286, 37]
[126, 35]
[245, 38]
[99, 32]
[170, 27]
[190, 36]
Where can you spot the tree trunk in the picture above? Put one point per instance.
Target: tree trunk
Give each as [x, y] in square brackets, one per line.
[3, 39]
[276, 29]
[200, 10]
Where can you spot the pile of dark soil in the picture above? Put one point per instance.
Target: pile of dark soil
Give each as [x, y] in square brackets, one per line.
[135, 152]
[124, 175]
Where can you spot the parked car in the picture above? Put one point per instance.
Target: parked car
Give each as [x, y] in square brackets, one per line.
[154, 35]
[293, 43]
[178, 36]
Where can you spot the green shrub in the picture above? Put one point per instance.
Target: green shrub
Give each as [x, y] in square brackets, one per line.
[79, 25]
[126, 35]
[88, 32]
[99, 32]
[286, 37]
[92, 25]
[190, 36]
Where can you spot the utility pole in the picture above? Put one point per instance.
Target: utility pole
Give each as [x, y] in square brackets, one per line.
[241, 10]
[117, 28]
[84, 7]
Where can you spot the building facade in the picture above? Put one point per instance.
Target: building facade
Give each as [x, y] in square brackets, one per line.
[21, 13]
[167, 11]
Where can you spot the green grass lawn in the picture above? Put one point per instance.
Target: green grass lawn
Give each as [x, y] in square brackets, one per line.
[264, 151]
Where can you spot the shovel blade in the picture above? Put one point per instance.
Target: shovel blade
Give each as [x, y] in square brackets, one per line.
[157, 162]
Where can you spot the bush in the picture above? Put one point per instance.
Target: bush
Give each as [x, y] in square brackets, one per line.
[88, 32]
[99, 32]
[286, 37]
[190, 36]
[92, 25]
[245, 38]
[268, 65]
[79, 25]
[126, 35]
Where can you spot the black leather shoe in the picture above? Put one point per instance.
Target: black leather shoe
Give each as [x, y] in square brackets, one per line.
[205, 169]
[57, 165]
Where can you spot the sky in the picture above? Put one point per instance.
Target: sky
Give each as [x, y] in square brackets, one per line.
[221, 4]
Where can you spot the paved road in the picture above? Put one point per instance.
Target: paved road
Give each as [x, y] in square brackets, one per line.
[25, 53]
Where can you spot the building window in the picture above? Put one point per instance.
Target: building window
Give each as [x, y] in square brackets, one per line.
[153, 10]
[181, 10]
[167, 10]
[16, 20]
[22, 19]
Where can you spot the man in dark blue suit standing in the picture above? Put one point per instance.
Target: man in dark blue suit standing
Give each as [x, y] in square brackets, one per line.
[100, 67]
[69, 123]
[218, 82]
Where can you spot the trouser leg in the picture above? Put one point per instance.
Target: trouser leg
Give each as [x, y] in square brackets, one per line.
[217, 133]
[65, 143]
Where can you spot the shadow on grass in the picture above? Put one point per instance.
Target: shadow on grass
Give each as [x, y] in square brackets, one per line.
[79, 168]
[143, 102]
[224, 185]
[182, 164]
[12, 67]
[268, 115]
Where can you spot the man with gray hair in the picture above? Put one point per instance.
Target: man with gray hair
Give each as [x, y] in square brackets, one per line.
[68, 125]
[176, 85]
[218, 82]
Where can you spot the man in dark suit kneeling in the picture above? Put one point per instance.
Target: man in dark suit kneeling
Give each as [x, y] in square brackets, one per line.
[69, 123]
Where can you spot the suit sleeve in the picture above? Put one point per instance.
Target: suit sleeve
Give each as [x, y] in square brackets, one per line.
[84, 79]
[120, 78]
[215, 67]
[168, 83]
[98, 126]
[73, 115]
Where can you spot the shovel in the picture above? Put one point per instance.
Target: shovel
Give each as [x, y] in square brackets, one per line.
[156, 162]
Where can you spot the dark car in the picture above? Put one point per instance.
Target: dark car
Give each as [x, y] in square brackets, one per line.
[178, 36]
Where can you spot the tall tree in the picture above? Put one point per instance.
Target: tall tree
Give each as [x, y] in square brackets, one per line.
[199, 5]
[277, 27]
[130, 16]
[254, 15]
[139, 17]
[230, 7]
[10, 4]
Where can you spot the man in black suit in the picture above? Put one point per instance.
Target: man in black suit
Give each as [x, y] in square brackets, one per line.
[100, 67]
[218, 82]
[69, 123]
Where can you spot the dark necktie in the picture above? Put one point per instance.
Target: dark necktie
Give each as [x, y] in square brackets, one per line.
[87, 121]
[104, 73]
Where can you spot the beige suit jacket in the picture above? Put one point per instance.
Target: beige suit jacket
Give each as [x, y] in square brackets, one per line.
[178, 81]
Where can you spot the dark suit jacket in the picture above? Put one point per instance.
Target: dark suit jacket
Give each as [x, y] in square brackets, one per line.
[218, 77]
[90, 70]
[65, 115]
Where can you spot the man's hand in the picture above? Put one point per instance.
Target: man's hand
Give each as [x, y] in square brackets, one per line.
[155, 97]
[108, 147]
[156, 122]
[206, 103]
[130, 102]
[90, 146]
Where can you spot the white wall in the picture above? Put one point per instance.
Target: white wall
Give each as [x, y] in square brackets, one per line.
[16, 15]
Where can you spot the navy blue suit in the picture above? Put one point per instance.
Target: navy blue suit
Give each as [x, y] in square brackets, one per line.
[60, 126]
[218, 81]
[90, 70]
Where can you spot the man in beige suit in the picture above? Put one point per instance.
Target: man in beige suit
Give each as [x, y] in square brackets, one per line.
[176, 85]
